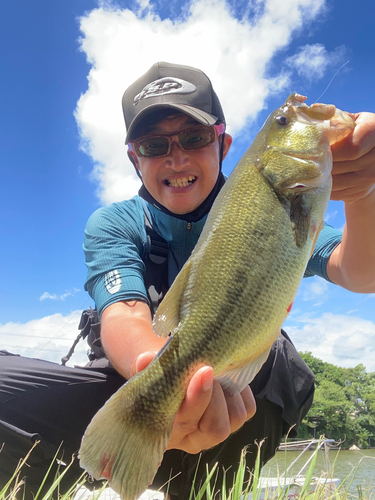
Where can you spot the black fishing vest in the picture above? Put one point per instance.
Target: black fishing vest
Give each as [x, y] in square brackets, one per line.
[156, 283]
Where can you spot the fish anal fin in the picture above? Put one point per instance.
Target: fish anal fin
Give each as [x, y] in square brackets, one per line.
[234, 380]
[167, 316]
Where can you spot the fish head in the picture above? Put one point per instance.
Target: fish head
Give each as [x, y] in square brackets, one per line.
[294, 144]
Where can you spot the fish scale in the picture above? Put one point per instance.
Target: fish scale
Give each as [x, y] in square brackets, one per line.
[277, 223]
[227, 305]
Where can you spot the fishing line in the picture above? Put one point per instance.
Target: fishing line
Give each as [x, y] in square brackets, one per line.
[31, 348]
[334, 76]
[75, 313]
[28, 336]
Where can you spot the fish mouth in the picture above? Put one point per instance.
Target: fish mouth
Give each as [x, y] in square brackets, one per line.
[180, 182]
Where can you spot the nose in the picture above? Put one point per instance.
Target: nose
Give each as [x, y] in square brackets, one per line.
[177, 159]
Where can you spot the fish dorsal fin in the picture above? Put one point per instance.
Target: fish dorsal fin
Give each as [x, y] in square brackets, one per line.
[300, 215]
[234, 380]
[167, 317]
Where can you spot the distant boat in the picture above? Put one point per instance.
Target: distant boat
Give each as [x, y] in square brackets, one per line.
[298, 445]
[292, 485]
[354, 448]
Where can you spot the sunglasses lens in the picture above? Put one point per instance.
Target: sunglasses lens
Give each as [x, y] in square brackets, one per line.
[193, 138]
[196, 138]
[153, 146]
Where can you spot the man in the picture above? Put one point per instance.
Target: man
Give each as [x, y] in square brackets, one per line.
[177, 187]
[177, 140]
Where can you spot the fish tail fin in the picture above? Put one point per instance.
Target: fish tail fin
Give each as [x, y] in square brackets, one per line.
[122, 448]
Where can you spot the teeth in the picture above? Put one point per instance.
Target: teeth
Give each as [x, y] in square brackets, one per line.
[183, 182]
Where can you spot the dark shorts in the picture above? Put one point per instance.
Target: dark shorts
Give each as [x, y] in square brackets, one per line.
[53, 404]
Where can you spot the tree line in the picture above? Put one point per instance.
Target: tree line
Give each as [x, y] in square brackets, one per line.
[344, 404]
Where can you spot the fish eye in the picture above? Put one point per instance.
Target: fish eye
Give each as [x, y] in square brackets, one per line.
[282, 120]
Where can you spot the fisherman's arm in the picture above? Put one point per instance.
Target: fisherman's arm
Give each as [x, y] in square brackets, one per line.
[206, 416]
[126, 333]
[352, 263]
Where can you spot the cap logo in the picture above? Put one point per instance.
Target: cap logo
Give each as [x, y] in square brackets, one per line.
[163, 86]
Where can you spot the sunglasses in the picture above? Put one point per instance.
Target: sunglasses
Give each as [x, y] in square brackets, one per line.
[189, 139]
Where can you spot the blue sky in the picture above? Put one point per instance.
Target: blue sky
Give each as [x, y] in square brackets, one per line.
[64, 67]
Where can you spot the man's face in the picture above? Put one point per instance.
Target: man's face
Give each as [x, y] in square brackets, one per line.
[182, 180]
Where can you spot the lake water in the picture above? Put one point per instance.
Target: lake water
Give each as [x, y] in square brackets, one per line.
[359, 466]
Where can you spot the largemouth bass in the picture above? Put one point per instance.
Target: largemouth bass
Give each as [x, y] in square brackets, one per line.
[227, 305]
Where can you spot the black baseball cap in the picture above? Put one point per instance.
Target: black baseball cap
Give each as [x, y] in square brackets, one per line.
[167, 85]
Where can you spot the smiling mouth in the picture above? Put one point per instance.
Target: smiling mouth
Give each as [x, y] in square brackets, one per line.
[183, 182]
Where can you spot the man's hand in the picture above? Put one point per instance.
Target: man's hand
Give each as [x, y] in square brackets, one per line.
[352, 263]
[207, 416]
[353, 171]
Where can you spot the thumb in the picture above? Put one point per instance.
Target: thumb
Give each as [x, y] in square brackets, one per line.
[199, 392]
[142, 361]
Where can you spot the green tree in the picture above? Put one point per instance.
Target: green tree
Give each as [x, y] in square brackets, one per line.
[331, 409]
[344, 403]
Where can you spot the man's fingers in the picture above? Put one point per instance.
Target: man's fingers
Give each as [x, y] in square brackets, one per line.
[186, 434]
[142, 361]
[215, 423]
[358, 143]
[364, 163]
[208, 415]
[249, 402]
[198, 397]
[241, 408]
[202, 420]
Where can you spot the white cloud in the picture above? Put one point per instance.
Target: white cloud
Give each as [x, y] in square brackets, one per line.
[353, 346]
[352, 311]
[48, 338]
[311, 61]
[63, 296]
[330, 216]
[313, 288]
[235, 53]
[336, 338]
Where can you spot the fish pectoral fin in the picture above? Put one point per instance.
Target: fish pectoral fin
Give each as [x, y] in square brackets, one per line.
[300, 215]
[167, 316]
[234, 380]
[120, 448]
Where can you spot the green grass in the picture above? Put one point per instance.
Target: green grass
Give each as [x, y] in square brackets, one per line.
[13, 489]
[209, 489]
